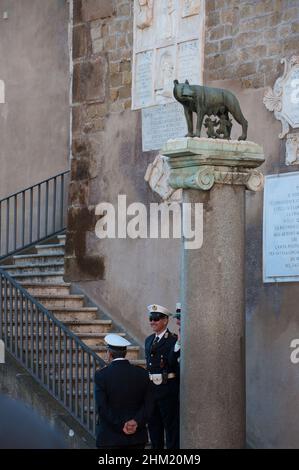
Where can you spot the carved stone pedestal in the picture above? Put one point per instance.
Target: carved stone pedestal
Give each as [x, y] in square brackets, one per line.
[214, 173]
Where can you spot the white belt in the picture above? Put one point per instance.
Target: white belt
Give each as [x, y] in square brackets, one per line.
[157, 379]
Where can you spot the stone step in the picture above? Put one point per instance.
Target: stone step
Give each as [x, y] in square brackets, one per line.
[39, 278]
[84, 313]
[101, 351]
[54, 369]
[55, 248]
[132, 352]
[15, 270]
[53, 301]
[74, 313]
[61, 239]
[95, 339]
[21, 260]
[47, 288]
[77, 327]
[48, 301]
[68, 313]
[93, 326]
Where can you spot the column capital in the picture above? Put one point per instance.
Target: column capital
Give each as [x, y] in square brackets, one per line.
[199, 163]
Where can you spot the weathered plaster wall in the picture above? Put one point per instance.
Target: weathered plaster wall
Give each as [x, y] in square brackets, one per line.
[34, 64]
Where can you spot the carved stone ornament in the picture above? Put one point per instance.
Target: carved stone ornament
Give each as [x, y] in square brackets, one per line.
[283, 100]
[157, 175]
[190, 7]
[199, 163]
[292, 149]
[144, 14]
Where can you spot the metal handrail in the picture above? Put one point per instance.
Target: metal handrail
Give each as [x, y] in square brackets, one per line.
[49, 351]
[33, 214]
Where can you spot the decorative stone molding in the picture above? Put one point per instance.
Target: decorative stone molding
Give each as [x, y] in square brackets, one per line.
[157, 175]
[144, 13]
[292, 149]
[199, 163]
[283, 100]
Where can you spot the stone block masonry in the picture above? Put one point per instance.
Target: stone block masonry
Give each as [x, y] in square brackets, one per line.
[246, 39]
[102, 49]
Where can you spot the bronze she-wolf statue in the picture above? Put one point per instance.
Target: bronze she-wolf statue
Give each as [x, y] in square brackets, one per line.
[203, 101]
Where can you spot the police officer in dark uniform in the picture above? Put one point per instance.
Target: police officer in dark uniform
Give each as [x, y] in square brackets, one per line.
[123, 399]
[162, 366]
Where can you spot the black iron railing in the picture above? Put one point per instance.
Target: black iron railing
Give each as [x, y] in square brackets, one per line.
[49, 351]
[33, 214]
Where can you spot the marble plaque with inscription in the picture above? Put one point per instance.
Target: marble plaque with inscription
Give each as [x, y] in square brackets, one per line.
[161, 123]
[168, 45]
[144, 73]
[281, 228]
[188, 53]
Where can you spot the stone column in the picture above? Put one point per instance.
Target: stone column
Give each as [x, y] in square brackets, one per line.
[216, 174]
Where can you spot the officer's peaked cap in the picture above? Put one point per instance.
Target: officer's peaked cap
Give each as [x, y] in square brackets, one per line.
[155, 308]
[116, 342]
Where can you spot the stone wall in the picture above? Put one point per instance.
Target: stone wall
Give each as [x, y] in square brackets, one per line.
[245, 39]
[122, 276]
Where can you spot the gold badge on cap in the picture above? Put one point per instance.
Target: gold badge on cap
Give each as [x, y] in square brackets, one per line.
[154, 307]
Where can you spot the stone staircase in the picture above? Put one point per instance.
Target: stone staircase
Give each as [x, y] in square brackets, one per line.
[41, 274]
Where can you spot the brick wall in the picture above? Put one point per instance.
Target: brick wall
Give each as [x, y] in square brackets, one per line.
[245, 39]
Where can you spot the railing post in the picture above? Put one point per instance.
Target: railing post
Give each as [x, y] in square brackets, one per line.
[38, 212]
[42, 348]
[1, 306]
[54, 204]
[65, 368]
[15, 222]
[37, 341]
[62, 199]
[54, 359]
[7, 225]
[20, 295]
[32, 336]
[0, 227]
[31, 215]
[26, 332]
[47, 208]
[71, 375]
[23, 218]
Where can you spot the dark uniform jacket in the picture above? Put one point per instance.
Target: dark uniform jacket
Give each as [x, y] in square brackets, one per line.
[161, 359]
[122, 392]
